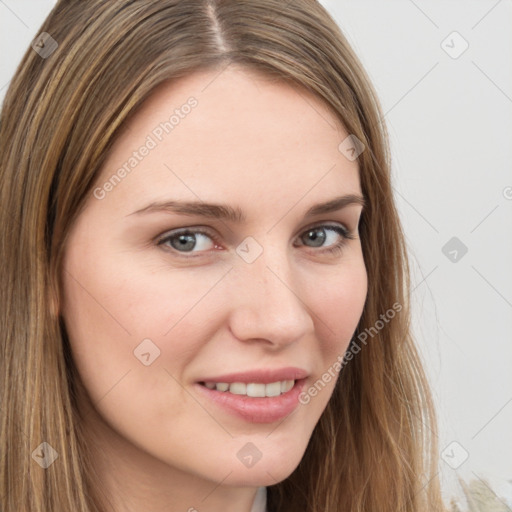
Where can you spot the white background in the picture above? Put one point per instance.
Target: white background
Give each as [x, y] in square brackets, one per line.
[450, 124]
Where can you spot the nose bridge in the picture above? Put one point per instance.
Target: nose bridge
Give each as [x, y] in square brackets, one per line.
[266, 305]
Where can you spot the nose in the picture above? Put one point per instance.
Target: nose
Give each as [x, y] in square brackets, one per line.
[267, 302]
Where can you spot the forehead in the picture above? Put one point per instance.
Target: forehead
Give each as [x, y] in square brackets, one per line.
[233, 132]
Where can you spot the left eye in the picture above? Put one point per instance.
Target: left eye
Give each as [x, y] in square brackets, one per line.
[187, 240]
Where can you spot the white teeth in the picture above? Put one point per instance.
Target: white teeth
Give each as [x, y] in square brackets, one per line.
[238, 388]
[256, 390]
[286, 385]
[253, 389]
[273, 389]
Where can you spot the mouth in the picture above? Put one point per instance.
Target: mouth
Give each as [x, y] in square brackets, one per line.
[253, 402]
[252, 389]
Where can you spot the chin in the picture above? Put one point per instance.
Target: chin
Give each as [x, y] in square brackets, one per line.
[269, 464]
[261, 474]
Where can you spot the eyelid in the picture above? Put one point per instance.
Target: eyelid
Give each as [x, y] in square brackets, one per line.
[327, 224]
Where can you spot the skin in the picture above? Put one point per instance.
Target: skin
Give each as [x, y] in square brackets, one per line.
[272, 150]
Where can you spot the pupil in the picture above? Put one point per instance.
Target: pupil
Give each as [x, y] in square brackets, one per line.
[183, 240]
[315, 238]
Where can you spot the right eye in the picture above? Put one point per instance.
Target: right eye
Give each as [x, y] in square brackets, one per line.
[186, 240]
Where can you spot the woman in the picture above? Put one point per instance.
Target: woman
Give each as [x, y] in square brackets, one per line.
[172, 341]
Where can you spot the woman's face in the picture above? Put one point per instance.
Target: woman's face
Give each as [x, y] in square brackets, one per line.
[161, 302]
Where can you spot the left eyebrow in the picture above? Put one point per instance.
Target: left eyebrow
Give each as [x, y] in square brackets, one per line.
[338, 203]
[226, 212]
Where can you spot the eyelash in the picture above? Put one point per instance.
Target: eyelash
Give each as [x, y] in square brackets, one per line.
[333, 250]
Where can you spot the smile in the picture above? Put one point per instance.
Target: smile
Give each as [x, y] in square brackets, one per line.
[247, 401]
[252, 389]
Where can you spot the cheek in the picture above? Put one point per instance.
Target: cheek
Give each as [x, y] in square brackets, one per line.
[113, 305]
[339, 304]
[100, 336]
[110, 319]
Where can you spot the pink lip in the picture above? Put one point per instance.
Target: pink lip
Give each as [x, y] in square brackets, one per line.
[255, 410]
[264, 376]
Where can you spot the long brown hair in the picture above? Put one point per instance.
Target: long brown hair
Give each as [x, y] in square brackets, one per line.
[374, 447]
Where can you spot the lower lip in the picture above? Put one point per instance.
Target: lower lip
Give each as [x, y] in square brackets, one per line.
[256, 410]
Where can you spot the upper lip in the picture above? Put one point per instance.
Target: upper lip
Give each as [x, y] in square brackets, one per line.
[263, 376]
